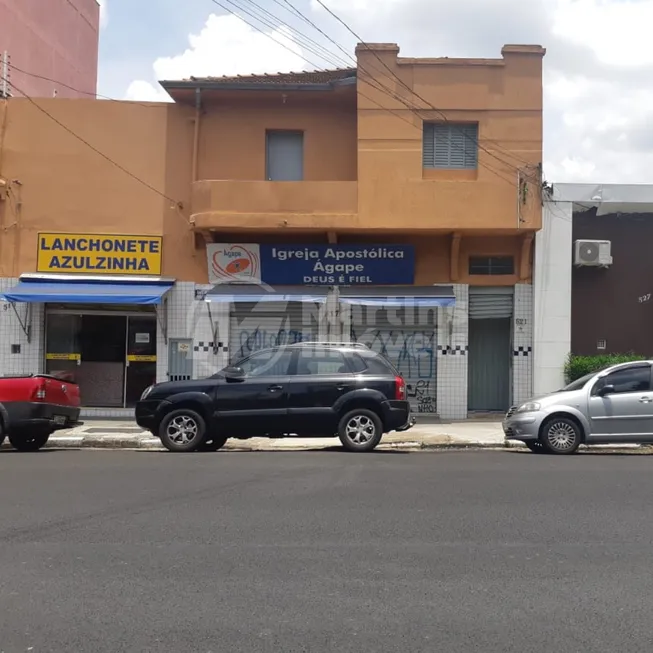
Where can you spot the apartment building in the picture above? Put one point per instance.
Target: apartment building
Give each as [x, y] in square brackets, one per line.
[51, 48]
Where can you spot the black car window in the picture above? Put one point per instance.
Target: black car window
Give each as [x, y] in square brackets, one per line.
[378, 364]
[356, 363]
[273, 362]
[321, 361]
[630, 379]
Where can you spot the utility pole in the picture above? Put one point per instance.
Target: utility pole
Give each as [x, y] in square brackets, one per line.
[4, 72]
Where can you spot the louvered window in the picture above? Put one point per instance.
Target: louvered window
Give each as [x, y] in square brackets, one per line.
[450, 145]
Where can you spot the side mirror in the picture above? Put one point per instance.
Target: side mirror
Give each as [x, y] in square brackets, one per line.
[233, 373]
[606, 390]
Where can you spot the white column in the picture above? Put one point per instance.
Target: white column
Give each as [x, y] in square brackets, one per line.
[522, 362]
[552, 297]
[179, 300]
[17, 355]
[207, 326]
[452, 357]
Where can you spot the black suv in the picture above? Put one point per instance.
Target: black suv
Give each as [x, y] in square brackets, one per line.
[307, 389]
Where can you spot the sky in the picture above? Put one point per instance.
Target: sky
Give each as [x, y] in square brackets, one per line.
[598, 71]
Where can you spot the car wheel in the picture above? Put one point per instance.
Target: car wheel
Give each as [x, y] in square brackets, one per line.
[3, 435]
[216, 442]
[560, 435]
[182, 430]
[29, 440]
[360, 430]
[535, 446]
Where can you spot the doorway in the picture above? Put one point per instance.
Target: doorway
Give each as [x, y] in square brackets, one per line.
[489, 365]
[111, 356]
[489, 383]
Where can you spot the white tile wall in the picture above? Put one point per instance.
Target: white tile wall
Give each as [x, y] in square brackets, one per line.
[207, 325]
[552, 297]
[31, 356]
[187, 318]
[522, 362]
[451, 402]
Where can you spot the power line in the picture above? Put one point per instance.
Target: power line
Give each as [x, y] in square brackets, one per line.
[283, 45]
[390, 93]
[313, 46]
[374, 83]
[410, 90]
[72, 88]
[174, 202]
[377, 84]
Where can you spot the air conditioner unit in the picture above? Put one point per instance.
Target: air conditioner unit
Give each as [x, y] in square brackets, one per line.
[592, 253]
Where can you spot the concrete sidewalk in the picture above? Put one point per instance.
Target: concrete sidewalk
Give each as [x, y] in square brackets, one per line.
[106, 434]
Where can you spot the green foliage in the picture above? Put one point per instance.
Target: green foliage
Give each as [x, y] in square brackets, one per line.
[577, 366]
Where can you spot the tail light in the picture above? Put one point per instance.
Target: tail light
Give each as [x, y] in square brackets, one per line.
[400, 388]
[39, 392]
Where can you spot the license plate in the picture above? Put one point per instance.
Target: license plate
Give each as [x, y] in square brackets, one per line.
[59, 419]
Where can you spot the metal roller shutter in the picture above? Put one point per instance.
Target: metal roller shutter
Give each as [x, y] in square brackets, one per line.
[254, 326]
[490, 303]
[490, 350]
[407, 338]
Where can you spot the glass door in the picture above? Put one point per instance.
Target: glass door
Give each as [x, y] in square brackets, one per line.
[62, 346]
[101, 375]
[141, 356]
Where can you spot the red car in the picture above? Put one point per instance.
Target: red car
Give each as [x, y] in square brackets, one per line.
[33, 407]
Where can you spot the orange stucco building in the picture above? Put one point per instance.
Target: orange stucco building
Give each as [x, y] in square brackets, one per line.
[420, 176]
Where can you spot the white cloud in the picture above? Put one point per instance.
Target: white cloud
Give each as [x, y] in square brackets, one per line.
[104, 16]
[617, 32]
[226, 46]
[142, 91]
[599, 63]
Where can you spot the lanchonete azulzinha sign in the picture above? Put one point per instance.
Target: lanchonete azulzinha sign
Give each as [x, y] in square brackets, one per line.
[99, 254]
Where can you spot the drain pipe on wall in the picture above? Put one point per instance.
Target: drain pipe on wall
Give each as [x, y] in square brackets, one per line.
[196, 132]
[519, 199]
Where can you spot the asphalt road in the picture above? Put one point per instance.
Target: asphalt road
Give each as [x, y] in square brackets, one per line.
[324, 551]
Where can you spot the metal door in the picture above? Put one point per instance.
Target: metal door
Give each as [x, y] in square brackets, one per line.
[180, 359]
[490, 348]
[255, 326]
[285, 156]
[407, 337]
[489, 365]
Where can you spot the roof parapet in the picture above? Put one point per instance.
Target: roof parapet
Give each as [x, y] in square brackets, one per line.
[523, 49]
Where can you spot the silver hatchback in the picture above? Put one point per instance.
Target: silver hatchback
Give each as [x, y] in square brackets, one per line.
[608, 407]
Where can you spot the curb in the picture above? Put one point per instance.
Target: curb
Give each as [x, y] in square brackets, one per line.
[117, 442]
[154, 444]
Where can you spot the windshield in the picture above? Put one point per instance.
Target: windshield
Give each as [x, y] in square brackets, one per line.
[578, 383]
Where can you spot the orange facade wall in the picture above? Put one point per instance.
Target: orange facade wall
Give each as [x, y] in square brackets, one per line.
[503, 96]
[232, 138]
[60, 184]
[364, 180]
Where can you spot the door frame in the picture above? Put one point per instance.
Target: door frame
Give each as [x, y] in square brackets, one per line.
[146, 315]
[496, 290]
[126, 314]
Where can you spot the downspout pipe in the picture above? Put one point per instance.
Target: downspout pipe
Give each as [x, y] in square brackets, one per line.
[196, 133]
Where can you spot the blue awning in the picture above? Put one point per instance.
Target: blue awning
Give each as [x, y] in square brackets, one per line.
[85, 292]
[240, 293]
[420, 296]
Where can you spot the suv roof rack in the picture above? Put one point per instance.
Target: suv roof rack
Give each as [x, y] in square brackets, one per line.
[313, 343]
